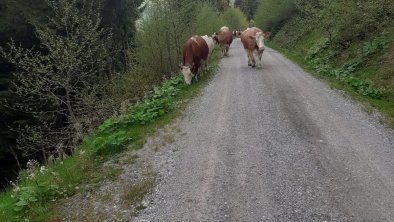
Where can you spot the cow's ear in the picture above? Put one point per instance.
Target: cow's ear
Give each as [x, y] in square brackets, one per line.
[252, 37]
[267, 34]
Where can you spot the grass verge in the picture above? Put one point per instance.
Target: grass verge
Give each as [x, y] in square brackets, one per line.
[40, 187]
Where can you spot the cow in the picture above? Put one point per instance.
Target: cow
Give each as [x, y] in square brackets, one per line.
[253, 42]
[237, 34]
[224, 29]
[195, 52]
[210, 44]
[224, 38]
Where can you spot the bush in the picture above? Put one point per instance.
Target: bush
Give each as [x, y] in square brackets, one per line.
[235, 19]
[207, 21]
[115, 134]
[271, 14]
[321, 55]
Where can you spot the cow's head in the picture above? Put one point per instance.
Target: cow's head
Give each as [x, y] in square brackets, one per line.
[187, 73]
[215, 37]
[259, 38]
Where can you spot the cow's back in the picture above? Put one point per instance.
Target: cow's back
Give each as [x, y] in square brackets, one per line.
[209, 42]
[247, 42]
[203, 48]
[225, 37]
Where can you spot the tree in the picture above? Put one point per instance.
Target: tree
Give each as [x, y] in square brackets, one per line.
[13, 23]
[272, 14]
[207, 20]
[222, 5]
[234, 18]
[248, 7]
[62, 85]
[119, 16]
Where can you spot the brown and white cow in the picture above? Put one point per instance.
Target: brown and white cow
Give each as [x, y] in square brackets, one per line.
[210, 44]
[224, 38]
[195, 52]
[253, 42]
[237, 34]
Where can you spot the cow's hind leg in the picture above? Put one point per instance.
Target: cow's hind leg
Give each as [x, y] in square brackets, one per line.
[258, 55]
[252, 59]
[249, 60]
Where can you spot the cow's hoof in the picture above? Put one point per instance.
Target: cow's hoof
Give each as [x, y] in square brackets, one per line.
[249, 64]
[253, 66]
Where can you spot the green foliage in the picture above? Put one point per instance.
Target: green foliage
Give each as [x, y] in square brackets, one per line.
[18, 19]
[162, 32]
[207, 21]
[114, 135]
[38, 187]
[235, 19]
[364, 87]
[379, 44]
[343, 21]
[321, 55]
[248, 7]
[271, 14]
[63, 86]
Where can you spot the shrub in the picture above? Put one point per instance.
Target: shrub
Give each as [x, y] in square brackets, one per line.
[271, 14]
[207, 21]
[235, 19]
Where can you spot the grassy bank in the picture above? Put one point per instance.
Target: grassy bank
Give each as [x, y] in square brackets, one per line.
[364, 68]
[38, 188]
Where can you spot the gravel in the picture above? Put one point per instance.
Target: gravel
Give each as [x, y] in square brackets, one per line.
[273, 144]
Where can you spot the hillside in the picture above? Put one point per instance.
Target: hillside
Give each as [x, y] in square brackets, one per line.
[349, 45]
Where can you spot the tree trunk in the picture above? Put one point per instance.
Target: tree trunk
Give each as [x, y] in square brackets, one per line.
[15, 157]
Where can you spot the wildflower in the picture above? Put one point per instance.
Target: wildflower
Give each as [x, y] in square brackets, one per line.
[32, 164]
[82, 152]
[16, 189]
[43, 169]
[31, 176]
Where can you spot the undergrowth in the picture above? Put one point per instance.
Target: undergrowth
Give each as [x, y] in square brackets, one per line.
[321, 56]
[38, 188]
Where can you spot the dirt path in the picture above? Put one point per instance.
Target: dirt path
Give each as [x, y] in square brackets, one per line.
[273, 145]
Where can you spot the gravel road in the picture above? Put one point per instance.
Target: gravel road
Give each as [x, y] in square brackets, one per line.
[274, 144]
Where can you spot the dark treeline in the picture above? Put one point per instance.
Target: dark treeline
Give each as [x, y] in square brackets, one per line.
[248, 7]
[19, 20]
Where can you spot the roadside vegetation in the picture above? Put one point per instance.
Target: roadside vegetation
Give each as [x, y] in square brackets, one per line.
[96, 96]
[348, 44]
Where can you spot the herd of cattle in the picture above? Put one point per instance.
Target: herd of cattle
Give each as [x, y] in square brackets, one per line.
[198, 49]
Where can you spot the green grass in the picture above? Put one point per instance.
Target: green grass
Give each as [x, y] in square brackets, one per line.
[371, 83]
[84, 170]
